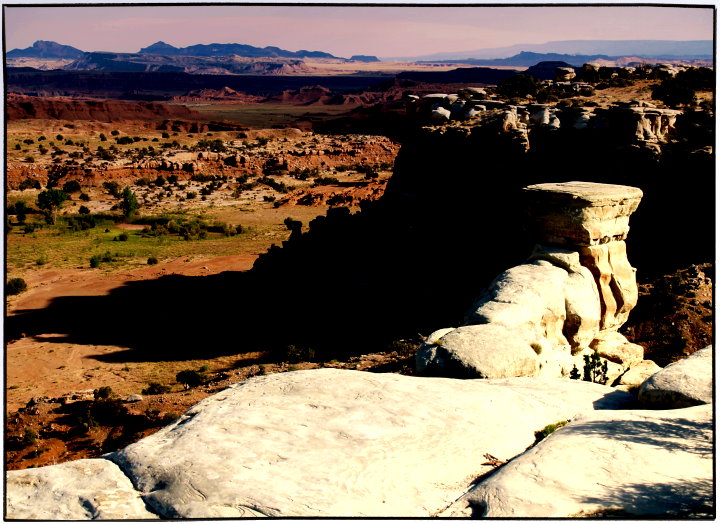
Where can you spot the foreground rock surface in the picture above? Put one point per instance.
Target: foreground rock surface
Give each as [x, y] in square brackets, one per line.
[687, 382]
[345, 443]
[623, 463]
[82, 490]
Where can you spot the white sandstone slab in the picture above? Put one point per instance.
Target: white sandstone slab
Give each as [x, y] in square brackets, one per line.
[345, 443]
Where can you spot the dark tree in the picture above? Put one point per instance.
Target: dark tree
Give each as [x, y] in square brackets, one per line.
[129, 204]
[50, 201]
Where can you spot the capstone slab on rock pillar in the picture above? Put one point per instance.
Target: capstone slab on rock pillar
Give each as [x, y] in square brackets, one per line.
[569, 299]
[593, 219]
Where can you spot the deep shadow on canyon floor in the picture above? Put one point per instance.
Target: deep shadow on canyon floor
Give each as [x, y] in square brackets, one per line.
[450, 221]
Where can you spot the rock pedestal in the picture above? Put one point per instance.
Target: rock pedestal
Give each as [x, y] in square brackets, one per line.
[569, 299]
[592, 219]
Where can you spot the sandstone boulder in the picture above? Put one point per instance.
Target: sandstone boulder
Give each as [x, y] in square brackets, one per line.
[480, 351]
[86, 489]
[440, 115]
[632, 464]
[687, 382]
[345, 443]
[639, 373]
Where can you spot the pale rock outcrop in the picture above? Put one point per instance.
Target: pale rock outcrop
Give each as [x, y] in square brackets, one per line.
[687, 382]
[85, 489]
[539, 113]
[568, 299]
[654, 125]
[440, 115]
[632, 464]
[563, 74]
[340, 443]
[639, 373]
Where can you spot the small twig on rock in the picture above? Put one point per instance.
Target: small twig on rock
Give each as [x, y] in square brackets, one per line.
[492, 461]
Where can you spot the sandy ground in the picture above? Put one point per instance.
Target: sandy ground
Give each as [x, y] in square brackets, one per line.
[41, 366]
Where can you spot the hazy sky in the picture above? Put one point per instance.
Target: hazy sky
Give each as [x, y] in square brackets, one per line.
[347, 30]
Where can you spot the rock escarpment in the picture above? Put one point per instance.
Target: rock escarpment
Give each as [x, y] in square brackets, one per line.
[568, 299]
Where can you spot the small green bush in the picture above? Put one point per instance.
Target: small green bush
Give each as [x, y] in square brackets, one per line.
[30, 437]
[549, 429]
[154, 388]
[190, 378]
[95, 261]
[152, 260]
[15, 286]
[102, 392]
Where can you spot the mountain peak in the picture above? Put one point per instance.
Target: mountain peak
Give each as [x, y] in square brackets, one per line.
[159, 47]
[46, 49]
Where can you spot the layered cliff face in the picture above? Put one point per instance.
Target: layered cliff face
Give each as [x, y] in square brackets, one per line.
[22, 107]
[451, 219]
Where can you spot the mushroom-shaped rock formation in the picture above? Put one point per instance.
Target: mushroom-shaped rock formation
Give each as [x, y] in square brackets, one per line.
[567, 301]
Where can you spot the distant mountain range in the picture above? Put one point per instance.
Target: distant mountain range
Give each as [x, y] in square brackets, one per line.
[250, 60]
[528, 58]
[699, 49]
[45, 49]
[214, 50]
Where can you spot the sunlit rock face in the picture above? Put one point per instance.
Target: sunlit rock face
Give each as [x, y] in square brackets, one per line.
[568, 300]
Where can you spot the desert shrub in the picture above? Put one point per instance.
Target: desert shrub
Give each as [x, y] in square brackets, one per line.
[172, 179]
[404, 347]
[30, 437]
[95, 260]
[123, 140]
[160, 181]
[280, 187]
[190, 378]
[113, 188]
[152, 260]
[30, 159]
[296, 353]
[15, 286]
[29, 183]
[548, 430]
[216, 145]
[155, 388]
[20, 210]
[169, 417]
[41, 260]
[190, 195]
[82, 222]
[122, 237]
[102, 392]
[72, 186]
[84, 197]
[325, 181]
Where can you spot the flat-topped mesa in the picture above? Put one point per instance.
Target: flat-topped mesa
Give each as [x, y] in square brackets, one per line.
[571, 296]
